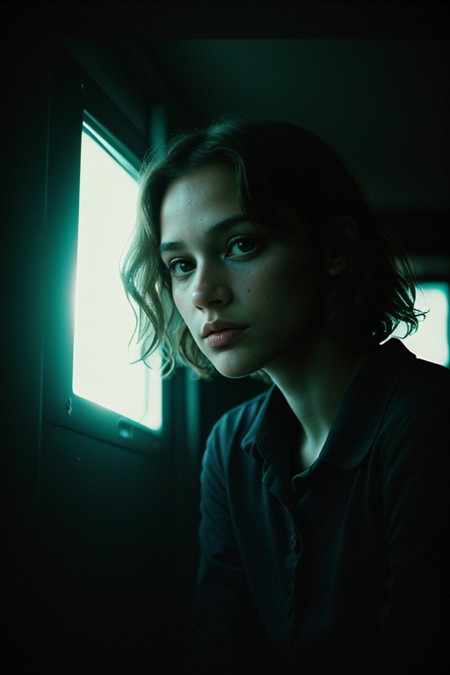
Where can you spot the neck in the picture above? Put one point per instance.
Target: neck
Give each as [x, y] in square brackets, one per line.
[314, 387]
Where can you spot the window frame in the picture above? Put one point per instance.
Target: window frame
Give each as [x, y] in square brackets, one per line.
[75, 98]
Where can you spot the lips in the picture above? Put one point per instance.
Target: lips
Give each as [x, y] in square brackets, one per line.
[218, 326]
[222, 333]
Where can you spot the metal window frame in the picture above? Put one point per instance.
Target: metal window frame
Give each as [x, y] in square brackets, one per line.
[76, 100]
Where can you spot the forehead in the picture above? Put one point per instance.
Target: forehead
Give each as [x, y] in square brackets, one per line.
[201, 195]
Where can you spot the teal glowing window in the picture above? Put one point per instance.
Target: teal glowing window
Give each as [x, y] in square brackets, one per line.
[431, 341]
[103, 371]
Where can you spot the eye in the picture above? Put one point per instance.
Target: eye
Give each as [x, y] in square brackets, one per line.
[240, 246]
[179, 267]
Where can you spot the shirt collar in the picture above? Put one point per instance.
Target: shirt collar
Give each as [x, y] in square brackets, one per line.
[358, 418]
[274, 428]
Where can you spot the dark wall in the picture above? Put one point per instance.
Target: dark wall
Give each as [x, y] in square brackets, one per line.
[24, 121]
[108, 548]
[100, 542]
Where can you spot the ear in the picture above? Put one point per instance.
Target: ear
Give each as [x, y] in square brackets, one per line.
[342, 239]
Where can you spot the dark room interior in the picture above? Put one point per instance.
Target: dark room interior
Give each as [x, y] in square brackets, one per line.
[100, 529]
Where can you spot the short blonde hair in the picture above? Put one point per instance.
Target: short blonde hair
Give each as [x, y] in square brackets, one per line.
[275, 163]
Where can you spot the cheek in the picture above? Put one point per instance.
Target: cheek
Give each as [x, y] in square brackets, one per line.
[282, 290]
[266, 294]
[274, 282]
[180, 302]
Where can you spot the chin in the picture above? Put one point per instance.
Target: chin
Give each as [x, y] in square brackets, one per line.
[235, 371]
[230, 376]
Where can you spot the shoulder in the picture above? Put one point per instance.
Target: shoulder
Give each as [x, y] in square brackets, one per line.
[393, 391]
[415, 428]
[423, 386]
[394, 378]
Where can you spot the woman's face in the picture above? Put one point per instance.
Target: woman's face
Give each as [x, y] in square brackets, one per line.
[251, 301]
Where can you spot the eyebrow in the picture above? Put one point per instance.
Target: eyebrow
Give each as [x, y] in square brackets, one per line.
[216, 228]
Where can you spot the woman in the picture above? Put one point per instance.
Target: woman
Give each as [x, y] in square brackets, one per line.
[322, 499]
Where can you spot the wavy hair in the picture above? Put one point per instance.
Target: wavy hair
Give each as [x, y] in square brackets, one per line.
[276, 163]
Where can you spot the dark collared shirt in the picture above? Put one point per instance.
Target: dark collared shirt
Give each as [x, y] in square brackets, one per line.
[341, 568]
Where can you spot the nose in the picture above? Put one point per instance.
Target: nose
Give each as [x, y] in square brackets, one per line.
[210, 290]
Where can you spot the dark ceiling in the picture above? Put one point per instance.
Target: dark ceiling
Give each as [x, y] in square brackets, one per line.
[371, 78]
[382, 103]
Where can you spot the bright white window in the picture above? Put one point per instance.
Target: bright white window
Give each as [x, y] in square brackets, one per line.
[431, 341]
[103, 371]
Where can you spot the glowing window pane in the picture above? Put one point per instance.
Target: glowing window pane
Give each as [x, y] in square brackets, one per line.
[431, 341]
[104, 321]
